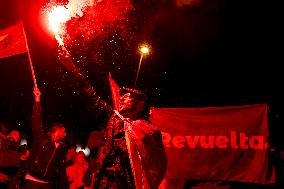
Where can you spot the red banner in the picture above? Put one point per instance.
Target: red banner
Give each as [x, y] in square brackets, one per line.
[12, 41]
[216, 143]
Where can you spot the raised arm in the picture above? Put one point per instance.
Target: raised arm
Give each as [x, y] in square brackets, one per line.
[97, 106]
[37, 127]
[62, 176]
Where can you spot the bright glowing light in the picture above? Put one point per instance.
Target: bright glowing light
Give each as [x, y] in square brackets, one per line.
[144, 50]
[24, 142]
[85, 150]
[77, 7]
[58, 16]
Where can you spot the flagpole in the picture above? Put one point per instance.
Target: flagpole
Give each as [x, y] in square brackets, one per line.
[144, 50]
[141, 58]
[30, 59]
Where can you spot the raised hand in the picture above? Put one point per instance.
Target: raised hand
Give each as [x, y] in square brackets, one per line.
[37, 94]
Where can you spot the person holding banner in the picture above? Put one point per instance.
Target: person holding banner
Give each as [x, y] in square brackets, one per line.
[132, 154]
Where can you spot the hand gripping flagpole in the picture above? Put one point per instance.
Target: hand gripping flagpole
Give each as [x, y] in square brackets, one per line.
[29, 56]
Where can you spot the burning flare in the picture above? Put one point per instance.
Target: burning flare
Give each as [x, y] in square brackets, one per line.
[57, 18]
[60, 14]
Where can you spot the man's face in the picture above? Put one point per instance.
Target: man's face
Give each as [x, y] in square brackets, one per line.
[59, 134]
[126, 102]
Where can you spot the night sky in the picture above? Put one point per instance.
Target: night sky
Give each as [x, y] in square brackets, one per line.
[212, 53]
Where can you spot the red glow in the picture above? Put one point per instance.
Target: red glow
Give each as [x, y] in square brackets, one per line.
[85, 18]
[58, 17]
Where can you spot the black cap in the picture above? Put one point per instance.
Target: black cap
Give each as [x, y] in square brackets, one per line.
[139, 95]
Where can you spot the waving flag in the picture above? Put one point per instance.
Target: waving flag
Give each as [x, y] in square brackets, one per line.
[12, 41]
[114, 91]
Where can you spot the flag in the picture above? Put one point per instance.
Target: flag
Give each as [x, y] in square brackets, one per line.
[216, 143]
[12, 41]
[114, 91]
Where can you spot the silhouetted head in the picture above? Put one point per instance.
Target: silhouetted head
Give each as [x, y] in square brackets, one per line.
[57, 132]
[131, 102]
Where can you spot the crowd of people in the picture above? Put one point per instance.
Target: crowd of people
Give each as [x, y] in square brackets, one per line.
[130, 154]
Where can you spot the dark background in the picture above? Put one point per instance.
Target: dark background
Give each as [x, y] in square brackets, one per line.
[211, 53]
